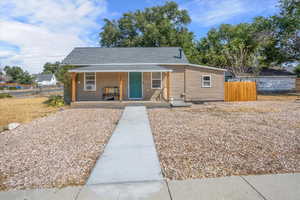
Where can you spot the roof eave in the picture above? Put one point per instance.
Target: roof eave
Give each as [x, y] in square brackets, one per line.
[188, 64]
[159, 70]
[273, 76]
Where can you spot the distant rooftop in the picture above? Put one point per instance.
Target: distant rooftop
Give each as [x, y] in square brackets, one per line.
[43, 77]
[99, 55]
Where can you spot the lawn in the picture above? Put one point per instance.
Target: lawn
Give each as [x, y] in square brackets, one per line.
[54, 151]
[224, 139]
[23, 110]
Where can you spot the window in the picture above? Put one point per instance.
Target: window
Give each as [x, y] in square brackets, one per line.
[156, 80]
[206, 81]
[90, 81]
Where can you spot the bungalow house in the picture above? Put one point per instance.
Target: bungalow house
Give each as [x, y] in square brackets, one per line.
[4, 78]
[149, 74]
[45, 79]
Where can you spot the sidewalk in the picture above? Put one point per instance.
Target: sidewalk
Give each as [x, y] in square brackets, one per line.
[262, 187]
[130, 155]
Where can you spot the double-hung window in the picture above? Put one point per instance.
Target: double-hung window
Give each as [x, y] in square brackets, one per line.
[206, 81]
[156, 78]
[90, 81]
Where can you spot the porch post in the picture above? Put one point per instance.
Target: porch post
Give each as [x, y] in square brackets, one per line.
[73, 86]
[168, 86]
[120, 87]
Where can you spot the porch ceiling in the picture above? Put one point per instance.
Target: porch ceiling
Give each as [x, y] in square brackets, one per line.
[121, 68]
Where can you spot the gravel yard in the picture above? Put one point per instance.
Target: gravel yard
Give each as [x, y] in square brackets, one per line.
[223, 139]
[55, 151]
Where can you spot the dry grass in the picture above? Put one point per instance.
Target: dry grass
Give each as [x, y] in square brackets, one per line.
[55, 151]
[23, 109]
[222, 139]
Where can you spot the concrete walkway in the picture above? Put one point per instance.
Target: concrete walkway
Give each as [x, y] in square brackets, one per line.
[262, 187]
[130, 155]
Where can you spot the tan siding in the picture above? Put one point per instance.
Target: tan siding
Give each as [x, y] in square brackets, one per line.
[176, 81]
[111, 79]
[105, 79]
[152, 94]
[194, 89]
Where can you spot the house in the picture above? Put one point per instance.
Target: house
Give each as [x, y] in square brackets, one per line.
[4, 78]
[149, 74]
[45, 79]
[269, 79]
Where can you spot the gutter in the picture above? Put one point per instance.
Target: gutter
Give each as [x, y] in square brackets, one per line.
[286, 76]
[166, 64]
[78, 70]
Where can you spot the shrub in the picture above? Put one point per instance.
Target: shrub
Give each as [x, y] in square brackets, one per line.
[12, 88]
[5, 95]
[297, 70]
[55, 100]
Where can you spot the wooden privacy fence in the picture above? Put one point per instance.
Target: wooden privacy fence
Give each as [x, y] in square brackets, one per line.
[298, 85]
[15, 84]
[240, 91]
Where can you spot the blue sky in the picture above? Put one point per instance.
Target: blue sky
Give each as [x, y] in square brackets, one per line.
[33, 32]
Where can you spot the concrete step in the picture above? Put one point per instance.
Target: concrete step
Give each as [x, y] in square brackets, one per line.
[180, 104]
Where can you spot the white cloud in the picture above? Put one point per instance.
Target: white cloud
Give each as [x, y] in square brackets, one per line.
[214, 12]
[46, 30]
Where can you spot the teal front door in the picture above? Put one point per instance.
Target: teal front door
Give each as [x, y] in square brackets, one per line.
[135, 85]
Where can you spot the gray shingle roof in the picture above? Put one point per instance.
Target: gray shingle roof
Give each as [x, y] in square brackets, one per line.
[43, 77]
[120, 68]
[98, 55]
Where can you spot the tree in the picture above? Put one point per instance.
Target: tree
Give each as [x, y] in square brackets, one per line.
[263, 43]
[280, 34]
[297, 70]
[26, 78]
[62, 74]
[159, 26]
[51, 68]
[233, 47]
[288, 29]
[18, 75]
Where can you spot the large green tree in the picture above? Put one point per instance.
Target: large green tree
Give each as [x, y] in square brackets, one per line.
[279, 35]
[287, 29]
[297, 70]
[51, 68]
[230, 46]
[263, 43]
[18, 75]
[158, 26]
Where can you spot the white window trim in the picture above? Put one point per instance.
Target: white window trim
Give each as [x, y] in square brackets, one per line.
[84, 88]
[156, 79]
[210, 81]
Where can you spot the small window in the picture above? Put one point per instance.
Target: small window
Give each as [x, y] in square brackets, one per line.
[206, 81]
[90, 81]
[156, 80]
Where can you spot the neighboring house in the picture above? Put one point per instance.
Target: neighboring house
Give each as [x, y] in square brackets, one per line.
[4, 78]
[269, 80]
[150, 74]
[45, 79]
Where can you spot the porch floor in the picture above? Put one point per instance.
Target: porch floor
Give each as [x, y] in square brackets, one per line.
[119, 104]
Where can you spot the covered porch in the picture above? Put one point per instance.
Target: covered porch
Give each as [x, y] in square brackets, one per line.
[120, 83]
